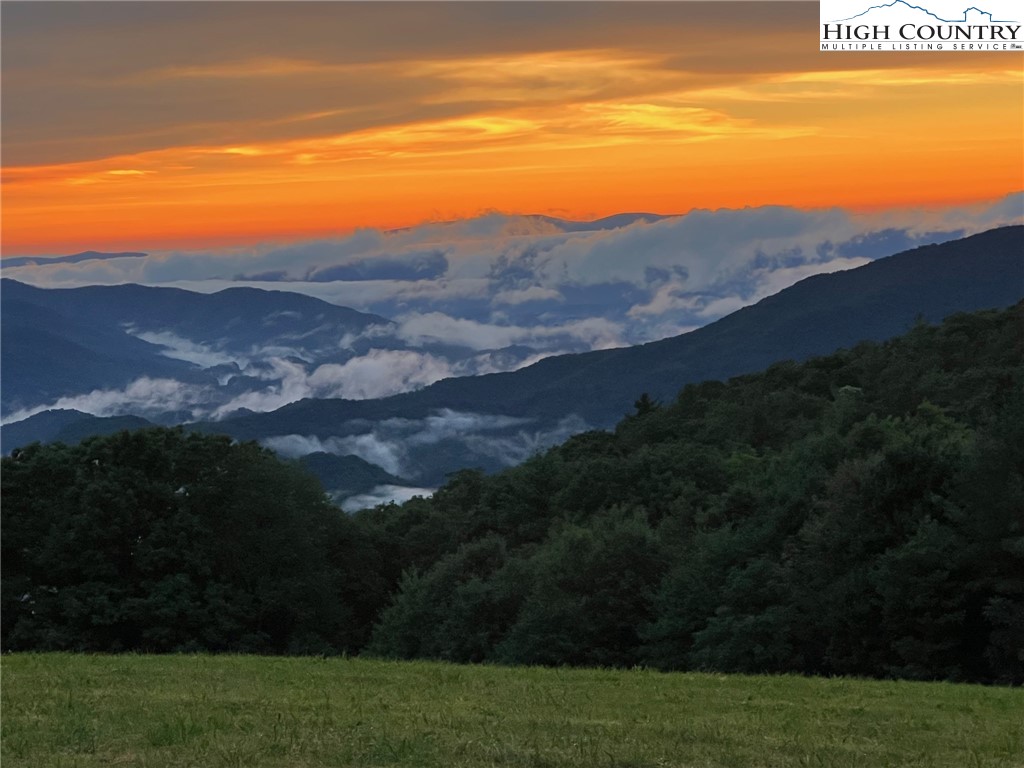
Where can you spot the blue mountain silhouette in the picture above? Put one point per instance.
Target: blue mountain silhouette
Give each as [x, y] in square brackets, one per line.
[925, 10]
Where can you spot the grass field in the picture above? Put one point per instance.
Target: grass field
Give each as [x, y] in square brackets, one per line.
[67, 710]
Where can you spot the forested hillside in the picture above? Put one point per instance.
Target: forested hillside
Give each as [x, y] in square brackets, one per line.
[859, 514]
[856, 514]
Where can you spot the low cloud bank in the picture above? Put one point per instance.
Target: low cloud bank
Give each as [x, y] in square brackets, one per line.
[144, 397]
[384, 494]
[499, 280]
[396, 444]
[262, 385]
[490, 294]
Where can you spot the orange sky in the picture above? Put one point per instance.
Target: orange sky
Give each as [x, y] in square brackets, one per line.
[155, 125]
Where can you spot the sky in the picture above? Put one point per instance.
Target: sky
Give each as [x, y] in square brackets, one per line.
[149, 126]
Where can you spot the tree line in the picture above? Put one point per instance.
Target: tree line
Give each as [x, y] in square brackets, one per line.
[857, 514]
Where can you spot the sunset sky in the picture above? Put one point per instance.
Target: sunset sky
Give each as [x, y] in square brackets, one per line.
[136, 126]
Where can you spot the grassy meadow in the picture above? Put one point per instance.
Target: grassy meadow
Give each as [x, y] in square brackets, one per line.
[239, 711]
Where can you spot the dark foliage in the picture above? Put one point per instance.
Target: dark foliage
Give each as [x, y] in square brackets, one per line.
[858, 514]
[160, 541]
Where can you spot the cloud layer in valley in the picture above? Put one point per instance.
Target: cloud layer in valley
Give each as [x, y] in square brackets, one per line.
[484, 295]
[144, 396]
[400, 445]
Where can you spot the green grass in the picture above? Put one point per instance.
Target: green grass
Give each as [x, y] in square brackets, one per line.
[237, 712]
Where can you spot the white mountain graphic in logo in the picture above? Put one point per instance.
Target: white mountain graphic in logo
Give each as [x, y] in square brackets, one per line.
[971, 15]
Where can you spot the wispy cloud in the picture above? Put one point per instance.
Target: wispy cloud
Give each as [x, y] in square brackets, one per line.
[440, 328]
[399, 446]
[144, 396]
[179, 348]
[384, 494]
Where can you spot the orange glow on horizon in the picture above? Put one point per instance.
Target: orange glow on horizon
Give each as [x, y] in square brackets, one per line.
[567, 135]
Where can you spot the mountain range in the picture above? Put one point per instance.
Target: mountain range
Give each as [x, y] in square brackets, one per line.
[487, 420]
[62, 342]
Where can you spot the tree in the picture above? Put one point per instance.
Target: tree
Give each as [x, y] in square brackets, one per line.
[159, 540]
[645, 405]
[590, 590]
[457, 611]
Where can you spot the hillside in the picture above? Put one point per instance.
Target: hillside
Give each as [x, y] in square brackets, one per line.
[858, 514]
[63, 342]
[815, 316]
[855, 514]
[497, 420]
[48, 353]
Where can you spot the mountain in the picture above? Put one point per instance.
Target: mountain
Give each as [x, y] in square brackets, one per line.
[816, 316]
[65, 425]
[240, 317]
[614, 221]
[500, 419]
[43, 427]
[854, 514]
[344, 476]
[48, 354]
[64, 342]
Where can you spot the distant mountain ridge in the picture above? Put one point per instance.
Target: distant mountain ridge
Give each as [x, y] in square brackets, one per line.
[60, 342]
[497, 419]
[815, 316]
[614, 221]
[207, 314]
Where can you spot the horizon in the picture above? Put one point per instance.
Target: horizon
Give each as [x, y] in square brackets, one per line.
[177, 126]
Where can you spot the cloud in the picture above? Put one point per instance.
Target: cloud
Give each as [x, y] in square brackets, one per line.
[393, 444]
[498, 361]
[447, 423]
[379, 373]
[517, 448]
[435, 60]
[179, 348]
[367, 446]
[144, 396]
[771, 281]
[416, 266]
[524, 295]
[674, 296]
[437, 327]
[288, 384]
[708, 247]
[384, 494]
[666, 298]
[505, 261]
[497, 292]
[294, 446]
